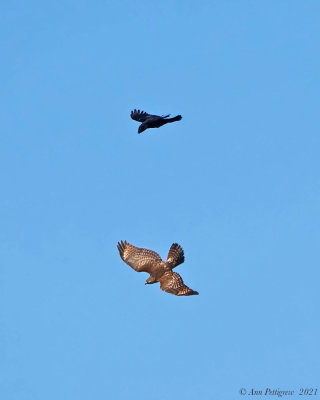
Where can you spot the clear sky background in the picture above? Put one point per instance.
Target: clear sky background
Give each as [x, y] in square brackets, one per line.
[236, 183]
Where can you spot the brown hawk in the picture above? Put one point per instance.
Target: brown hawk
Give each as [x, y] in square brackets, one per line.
[152, 121]
[144, 260]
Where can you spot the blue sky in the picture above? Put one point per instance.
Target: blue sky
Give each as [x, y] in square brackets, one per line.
[236, 183]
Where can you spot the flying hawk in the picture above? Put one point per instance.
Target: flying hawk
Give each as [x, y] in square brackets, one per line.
[144, 260]
[151, 121]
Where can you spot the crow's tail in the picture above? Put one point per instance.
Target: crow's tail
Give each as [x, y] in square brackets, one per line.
[174, 119]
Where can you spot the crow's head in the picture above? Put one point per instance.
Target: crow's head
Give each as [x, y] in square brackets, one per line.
[141, 128]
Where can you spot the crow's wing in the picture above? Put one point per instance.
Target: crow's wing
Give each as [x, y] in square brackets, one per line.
[140, 116]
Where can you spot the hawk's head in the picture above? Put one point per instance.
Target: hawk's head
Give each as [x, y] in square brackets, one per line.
[150, 280]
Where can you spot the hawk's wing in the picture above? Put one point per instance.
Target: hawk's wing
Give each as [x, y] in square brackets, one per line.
[141, 260]
[175, 255]
[172, 282]
[140, 116]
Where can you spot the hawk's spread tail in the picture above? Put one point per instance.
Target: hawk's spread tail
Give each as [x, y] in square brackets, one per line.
[175, 255]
